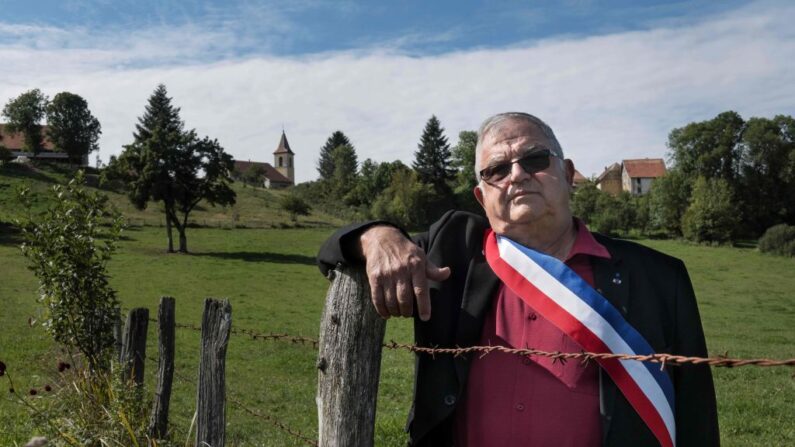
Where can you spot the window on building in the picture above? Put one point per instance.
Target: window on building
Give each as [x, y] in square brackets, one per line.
[281, 162]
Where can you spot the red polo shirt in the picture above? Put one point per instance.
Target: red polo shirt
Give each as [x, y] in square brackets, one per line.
[531, 401]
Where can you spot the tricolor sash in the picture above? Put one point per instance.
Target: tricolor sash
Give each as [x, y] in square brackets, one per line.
[555, 291]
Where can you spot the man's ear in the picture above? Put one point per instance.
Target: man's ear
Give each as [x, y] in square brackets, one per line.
[569, 168]
[478, 195]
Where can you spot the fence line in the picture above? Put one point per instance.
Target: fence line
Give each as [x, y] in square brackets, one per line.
[723, 361]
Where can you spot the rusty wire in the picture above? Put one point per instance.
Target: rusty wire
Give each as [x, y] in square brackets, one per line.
[664, 359]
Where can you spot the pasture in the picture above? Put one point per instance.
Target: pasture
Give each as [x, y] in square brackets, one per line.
[746, 301]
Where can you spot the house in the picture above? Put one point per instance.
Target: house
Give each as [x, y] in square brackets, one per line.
[633, 176]
[609, 181]
[638, 175]
[15, 143]
[281, 176]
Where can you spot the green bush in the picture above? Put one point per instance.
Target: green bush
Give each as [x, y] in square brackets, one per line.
[295, 206]
[712, 215]
[778, 240]
[68, 247]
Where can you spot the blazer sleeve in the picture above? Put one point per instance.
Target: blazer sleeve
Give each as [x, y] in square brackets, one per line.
[696, 411]
[338, 248]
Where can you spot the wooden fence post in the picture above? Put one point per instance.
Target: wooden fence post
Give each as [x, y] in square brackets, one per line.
[349, 362]
[117, 338]
[211, 395]
[158, 421]
[133, 350]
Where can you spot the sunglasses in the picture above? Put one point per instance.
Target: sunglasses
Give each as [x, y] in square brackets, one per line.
[533, 162]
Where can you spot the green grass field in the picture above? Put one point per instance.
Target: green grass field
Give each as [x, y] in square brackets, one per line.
[746, 300]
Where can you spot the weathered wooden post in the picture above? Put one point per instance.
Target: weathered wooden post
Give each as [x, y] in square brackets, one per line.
[158, 421]
[133, 350]
[349, 362]
[211, 395]
[117, 338]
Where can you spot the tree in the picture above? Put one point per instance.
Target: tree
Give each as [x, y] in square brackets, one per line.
[712, 215]
[255, 175]
[709, 149]
[167, 164]
[295, 206]
[374, 178]
[69, 246]
[325, 165]
[768, 173]
[346, 165]
[406, 202]
[24, 114]
[432, 161]
[668, 200]
[464, 162]
[71, 127]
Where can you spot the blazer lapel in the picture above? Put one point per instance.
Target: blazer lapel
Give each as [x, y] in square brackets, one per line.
[611, 280]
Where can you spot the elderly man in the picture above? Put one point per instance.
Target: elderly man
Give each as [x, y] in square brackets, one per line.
[531, 275]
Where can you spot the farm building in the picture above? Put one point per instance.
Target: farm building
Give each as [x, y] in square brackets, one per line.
[633, 176]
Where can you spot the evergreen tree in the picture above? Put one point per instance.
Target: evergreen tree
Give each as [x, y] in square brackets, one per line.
[346, 166]
[325, 165]
[433, 158]
[71, 126]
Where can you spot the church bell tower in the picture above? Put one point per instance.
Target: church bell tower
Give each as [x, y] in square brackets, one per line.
[283, 159]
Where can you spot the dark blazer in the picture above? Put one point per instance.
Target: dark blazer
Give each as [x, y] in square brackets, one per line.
[651, 290]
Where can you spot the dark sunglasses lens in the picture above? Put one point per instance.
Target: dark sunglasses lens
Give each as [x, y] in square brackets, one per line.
[496, 172]
[535, 162]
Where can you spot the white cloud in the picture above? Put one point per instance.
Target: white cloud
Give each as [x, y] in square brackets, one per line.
[607, 97]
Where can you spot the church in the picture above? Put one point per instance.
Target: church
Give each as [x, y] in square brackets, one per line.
[279, 175]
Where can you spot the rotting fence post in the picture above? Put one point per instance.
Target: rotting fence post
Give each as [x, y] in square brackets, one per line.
[211, 389]
[158, 421]
[133, 350]
[349, 362]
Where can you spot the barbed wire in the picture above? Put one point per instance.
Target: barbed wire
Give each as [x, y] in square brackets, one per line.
[663, 359]
[723, 361]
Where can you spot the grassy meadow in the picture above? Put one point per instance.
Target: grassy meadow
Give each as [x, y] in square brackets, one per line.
[268, 274]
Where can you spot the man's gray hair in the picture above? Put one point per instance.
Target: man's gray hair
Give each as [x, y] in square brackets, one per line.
[494, 122]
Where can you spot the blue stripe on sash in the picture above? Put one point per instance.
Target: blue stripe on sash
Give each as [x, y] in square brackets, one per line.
[572, 281]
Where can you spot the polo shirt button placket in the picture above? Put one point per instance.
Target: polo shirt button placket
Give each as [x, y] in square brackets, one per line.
[449, 400]
[519, 407]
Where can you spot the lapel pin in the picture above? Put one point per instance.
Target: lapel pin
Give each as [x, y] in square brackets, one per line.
[617, 279]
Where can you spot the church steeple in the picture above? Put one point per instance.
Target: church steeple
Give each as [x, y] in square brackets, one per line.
[283, 159]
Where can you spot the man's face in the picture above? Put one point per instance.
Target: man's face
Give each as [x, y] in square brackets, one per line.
[522, 199]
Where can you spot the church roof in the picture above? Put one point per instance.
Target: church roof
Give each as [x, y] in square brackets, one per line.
[270, 172]
[284, 146]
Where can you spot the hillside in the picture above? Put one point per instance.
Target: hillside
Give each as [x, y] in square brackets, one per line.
[255, 207]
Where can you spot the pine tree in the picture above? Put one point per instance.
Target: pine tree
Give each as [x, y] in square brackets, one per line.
[433, 158]
[325, 165]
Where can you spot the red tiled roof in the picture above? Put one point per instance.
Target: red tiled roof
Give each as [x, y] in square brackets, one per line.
[16, 141]
[645, 168]
[612, 168]
[578, 178]
[284, 146]
[270, 172]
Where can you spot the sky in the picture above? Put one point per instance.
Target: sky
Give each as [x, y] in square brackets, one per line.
[612, 78]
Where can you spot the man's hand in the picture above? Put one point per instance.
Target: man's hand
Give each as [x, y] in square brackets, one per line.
[398, 273]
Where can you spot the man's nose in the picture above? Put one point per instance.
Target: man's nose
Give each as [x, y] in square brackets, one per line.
[518, 174]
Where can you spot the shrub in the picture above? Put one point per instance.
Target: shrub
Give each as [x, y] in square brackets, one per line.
[295, 206]
[778, 240]
[68, 247]
[712, 215]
